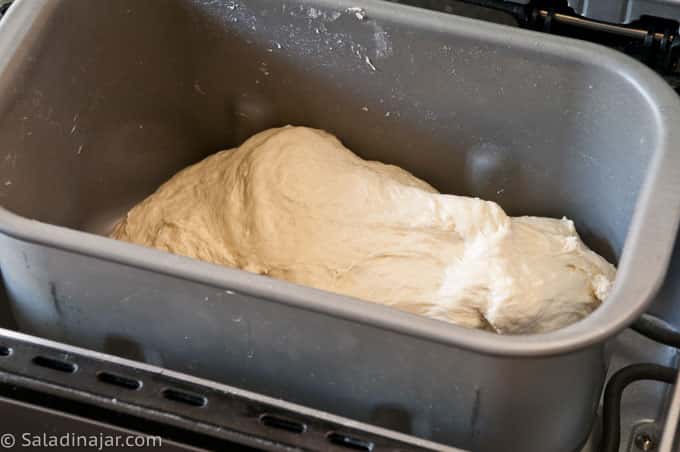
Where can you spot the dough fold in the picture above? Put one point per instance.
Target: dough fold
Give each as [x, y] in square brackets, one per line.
[293, 203]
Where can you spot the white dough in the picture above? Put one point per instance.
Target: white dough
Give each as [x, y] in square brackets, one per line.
[294, 203]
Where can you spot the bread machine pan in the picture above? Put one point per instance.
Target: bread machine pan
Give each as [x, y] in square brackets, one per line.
[100, 102]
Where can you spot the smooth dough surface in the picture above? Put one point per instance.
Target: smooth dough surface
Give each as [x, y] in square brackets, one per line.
[293, 203]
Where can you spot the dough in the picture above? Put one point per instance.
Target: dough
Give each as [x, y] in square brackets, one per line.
[293, 203]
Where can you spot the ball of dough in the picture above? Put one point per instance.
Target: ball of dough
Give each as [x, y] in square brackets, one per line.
[293, 203]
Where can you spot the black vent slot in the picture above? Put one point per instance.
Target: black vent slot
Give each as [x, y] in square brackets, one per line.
[5, 351]
[119, 380]
[185, 397]
[55, 364]
[283, 423]
[349, 442]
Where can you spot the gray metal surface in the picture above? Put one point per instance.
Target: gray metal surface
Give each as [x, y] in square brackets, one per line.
[226, 415]
[463, 9]
[100, 103]
[671, 437]
[614, 11]
[344, 366]
[33, 425]
[644, 404]
[625, 11]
